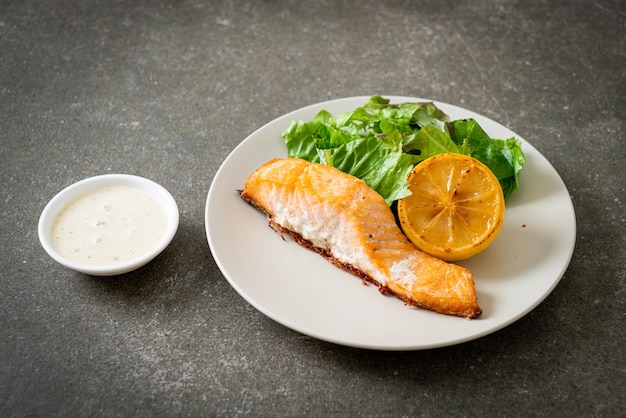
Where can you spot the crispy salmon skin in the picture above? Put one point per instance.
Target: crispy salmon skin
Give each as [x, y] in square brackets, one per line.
[343, 219]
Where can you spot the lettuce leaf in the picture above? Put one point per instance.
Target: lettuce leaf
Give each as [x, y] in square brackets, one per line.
[504, 157]
[380, 162]
[381, 142]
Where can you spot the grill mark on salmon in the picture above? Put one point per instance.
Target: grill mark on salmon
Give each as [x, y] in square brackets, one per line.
[348, 223]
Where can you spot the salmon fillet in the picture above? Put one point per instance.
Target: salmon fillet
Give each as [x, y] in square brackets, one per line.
[347, 222]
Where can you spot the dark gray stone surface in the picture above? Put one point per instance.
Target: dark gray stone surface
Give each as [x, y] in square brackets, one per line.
[167, 89]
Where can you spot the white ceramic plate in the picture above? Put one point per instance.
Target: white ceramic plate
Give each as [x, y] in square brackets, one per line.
[304, 292]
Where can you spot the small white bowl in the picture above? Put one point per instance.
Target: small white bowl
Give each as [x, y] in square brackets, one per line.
[82, 187]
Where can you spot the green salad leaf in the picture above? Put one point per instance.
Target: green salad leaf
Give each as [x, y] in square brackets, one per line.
[504, 157]
[381, 142]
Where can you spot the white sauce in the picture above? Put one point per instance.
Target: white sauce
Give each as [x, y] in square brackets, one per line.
[111, 225]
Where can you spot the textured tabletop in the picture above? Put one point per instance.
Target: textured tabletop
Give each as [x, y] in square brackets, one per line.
[167, 89]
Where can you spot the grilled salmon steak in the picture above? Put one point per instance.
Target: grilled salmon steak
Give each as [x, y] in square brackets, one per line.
[347, 222]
